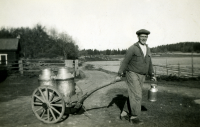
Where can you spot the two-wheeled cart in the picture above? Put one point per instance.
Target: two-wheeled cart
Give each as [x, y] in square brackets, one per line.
[56, 93]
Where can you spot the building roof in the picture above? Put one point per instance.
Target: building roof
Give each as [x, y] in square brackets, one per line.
[9, 44]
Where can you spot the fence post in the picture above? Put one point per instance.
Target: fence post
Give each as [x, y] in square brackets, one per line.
[76, 68]
[192, 65]
[179, 71]
[20, 62]
[166, 67]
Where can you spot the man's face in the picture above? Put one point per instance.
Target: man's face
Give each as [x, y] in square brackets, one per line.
[143, 38]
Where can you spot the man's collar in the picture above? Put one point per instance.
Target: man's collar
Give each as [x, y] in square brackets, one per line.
[141, 43]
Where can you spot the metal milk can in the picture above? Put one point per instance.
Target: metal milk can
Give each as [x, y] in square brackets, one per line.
[45, 78]
[65, 82]
[152, 93]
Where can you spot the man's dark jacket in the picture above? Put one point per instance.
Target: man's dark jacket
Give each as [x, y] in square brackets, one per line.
[136, 62]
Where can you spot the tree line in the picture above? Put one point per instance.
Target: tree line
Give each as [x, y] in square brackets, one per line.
[181, 46]
[178, 47]
[40, 42]
[86, 52]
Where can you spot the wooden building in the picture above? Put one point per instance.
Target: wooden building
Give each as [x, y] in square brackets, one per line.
[9, 50]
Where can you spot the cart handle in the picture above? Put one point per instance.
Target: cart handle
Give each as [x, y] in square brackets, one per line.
[80, 102]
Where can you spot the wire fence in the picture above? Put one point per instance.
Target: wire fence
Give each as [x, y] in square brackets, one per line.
[177, 70]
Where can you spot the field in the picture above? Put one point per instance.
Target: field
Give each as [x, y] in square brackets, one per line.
[184, 62]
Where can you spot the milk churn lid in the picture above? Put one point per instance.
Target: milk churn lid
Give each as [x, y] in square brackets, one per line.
[46, 69]
[64, 73]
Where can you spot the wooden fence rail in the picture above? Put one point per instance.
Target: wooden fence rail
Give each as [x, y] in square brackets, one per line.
[31, 66]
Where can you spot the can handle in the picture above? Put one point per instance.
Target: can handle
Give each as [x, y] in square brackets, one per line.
[154, 85]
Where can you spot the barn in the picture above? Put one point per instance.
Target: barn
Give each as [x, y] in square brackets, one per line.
[9, 50]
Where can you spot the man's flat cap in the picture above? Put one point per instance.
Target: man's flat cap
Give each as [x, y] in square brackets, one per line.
[143, 31]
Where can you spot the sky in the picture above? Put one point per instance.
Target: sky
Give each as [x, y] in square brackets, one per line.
[108, 24]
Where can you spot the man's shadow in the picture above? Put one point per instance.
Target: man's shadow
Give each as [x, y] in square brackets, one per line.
[120, 101]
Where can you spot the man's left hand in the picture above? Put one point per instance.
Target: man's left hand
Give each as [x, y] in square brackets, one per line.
[153, 79]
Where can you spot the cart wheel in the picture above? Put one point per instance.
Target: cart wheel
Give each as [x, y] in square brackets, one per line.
[48, 104]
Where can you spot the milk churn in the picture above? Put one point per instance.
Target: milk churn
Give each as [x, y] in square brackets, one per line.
[45, 78]
[65, 82]
[152, 93]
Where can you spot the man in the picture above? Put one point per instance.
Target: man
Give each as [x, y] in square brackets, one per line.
[136, 64]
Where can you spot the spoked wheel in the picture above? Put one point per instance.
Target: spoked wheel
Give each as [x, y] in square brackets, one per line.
[48, 104]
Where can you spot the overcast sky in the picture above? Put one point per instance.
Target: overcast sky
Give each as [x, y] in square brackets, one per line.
[108, 24]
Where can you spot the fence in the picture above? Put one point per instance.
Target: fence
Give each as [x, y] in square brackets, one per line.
[178, 70]
[34, 66]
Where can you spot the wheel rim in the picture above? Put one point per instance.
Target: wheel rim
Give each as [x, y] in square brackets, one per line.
[48, 104]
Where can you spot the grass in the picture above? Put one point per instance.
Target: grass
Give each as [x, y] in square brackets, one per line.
[170, 110]
[14, 87]
[89, 67]
[189, 83]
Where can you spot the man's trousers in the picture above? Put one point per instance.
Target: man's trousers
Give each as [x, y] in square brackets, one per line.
[134, 83]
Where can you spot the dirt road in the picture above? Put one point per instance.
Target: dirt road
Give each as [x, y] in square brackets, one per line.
[18, 113]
